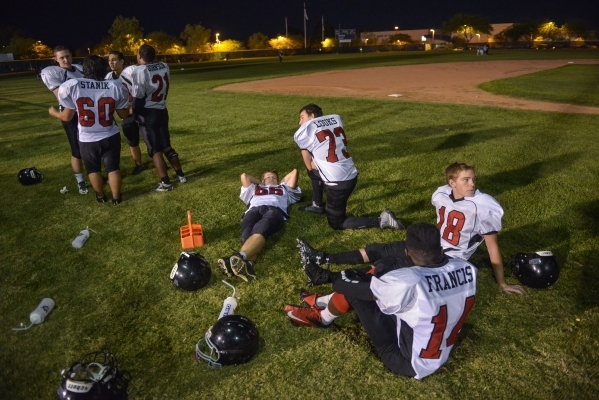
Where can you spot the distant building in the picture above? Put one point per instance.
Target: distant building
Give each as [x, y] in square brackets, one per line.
[426, 35]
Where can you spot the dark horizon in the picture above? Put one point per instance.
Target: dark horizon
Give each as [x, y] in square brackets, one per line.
[81, 24]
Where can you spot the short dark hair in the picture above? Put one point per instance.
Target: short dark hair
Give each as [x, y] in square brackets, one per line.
[94, 67]
[147, 52]
[312, 109]
[61, 48]
[424, 241]
[118, 54]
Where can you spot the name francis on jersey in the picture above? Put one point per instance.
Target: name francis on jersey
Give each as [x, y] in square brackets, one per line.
[449, 279]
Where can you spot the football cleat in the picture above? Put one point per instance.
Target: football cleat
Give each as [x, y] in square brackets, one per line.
[225, 266]
[313, 209]
[163, 187]
[308, 253]
[82, 187]
[242, 267]
[138, 169]
[305, 316]
[310, 299]
[316, 275]
[180, 178]
[101, 199]
[388, 220]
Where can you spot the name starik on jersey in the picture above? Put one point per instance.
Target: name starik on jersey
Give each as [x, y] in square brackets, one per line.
[93, 84]
[458, 277]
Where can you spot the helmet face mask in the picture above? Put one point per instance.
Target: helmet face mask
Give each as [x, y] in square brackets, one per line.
[94, 376]
[191, 272]
[536, 270]
[29, 176]
[232, 340]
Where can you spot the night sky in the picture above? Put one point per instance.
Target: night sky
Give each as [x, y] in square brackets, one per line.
[82, 23]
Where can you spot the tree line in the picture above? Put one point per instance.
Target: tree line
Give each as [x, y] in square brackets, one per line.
[126, 35]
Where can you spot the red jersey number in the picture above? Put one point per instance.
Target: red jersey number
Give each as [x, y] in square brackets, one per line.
[455, 223]
[162, 91]
[263, 191]
[433, 349]
[87, 111]
[332, 156]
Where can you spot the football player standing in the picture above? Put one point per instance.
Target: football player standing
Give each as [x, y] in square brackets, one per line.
[116, 62]
[466, 217]
[151, 82]
[331, 169]
[95, 101]
[53, 77]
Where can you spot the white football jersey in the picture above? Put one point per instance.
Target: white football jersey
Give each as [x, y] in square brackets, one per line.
[270, 195]
[95, 103]
[151, 82]
[432, 303]
[324, 138]
[464, 222]
[54, 76]
[125, 78]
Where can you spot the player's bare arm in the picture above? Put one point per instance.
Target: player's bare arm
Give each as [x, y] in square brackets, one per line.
[307, 157]
[497, 264]
[247, 180]
[65, 115]
[123, 113]
[291, 179]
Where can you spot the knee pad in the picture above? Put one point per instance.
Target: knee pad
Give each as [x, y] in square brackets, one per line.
[131, 131]
[170, 154]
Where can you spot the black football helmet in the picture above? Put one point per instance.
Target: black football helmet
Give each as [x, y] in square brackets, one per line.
[191, 272]
[536, 270]
[232, 340]
[30, 176]
[94, 377]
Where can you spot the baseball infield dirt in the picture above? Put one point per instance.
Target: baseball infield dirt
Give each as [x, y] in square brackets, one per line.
[454, 83]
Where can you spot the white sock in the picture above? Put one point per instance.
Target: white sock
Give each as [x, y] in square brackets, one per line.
[323, 301]
[79, 177]
[326, 316]
[242, 254]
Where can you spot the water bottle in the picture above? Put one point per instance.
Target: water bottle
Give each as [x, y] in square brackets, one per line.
[81, 238]
[39, 314]
[229, 306]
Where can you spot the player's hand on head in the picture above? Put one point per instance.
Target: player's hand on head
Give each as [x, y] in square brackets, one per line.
[509, 289]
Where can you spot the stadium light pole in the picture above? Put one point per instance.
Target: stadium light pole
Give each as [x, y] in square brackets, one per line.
[433, 31]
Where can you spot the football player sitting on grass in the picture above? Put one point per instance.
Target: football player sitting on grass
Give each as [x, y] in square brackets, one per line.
[465, 216]
[412, 315]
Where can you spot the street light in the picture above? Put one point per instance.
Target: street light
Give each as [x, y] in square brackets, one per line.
[217, 41]
[397, 27]
[433, 31]
[478, 37]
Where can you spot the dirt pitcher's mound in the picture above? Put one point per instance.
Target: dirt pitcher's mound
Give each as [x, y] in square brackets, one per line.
[453, 83]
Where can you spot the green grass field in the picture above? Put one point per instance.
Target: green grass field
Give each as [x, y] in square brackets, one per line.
[572, 84]
[115, 294]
